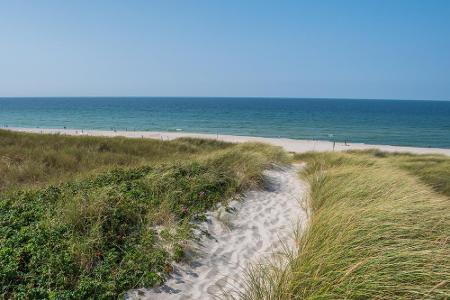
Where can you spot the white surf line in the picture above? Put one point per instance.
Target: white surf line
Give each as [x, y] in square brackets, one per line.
[256, 227]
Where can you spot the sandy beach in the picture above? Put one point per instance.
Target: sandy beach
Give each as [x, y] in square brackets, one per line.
[291, 145]
[228, 150]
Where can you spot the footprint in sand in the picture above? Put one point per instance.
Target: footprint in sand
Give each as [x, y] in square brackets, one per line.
[260, 221]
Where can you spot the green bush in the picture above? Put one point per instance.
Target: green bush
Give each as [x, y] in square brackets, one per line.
[102, 234]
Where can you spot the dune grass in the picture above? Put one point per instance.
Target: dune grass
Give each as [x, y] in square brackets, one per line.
[28, 160]
[104, 228]
[432, 169]
[377, 231]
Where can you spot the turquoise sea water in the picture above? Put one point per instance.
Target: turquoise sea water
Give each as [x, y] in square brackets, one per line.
[409, 123]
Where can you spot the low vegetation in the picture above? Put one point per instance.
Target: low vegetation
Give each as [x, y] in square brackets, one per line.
[433, 170]
[89, 217]
[379, 229]
[120, 219]
[31, 160]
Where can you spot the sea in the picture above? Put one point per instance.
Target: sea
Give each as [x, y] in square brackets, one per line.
[389, 122]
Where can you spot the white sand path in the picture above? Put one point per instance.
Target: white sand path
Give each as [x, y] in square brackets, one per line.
[261, 224]
[291, 145]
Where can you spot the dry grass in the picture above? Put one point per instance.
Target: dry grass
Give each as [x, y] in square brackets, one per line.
[376, 232]
[434, 170]
[35, 160]
[101, 229]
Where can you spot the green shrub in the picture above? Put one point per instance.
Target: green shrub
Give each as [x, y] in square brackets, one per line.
[101, 234]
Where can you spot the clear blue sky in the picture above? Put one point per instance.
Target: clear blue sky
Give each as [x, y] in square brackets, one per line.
[345, 49]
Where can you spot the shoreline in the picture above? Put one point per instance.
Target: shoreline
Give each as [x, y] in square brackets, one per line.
[290, 145]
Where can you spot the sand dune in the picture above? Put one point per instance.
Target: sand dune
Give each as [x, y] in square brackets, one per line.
[288, 144]
[248, 231]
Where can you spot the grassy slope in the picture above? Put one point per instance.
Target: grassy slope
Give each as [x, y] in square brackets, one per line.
[376, 231]
[433, 170]
[31, 160]
[104, 232]
[379, 229]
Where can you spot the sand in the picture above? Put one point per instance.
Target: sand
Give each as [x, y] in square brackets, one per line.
[254, 228]
[248, 231]
[291, 145]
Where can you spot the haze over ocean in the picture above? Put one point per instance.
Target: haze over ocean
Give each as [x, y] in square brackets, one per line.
[273, 52]
[392, 122]
[320, 49]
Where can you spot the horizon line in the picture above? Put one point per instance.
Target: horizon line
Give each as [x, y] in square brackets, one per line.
[231, 97]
